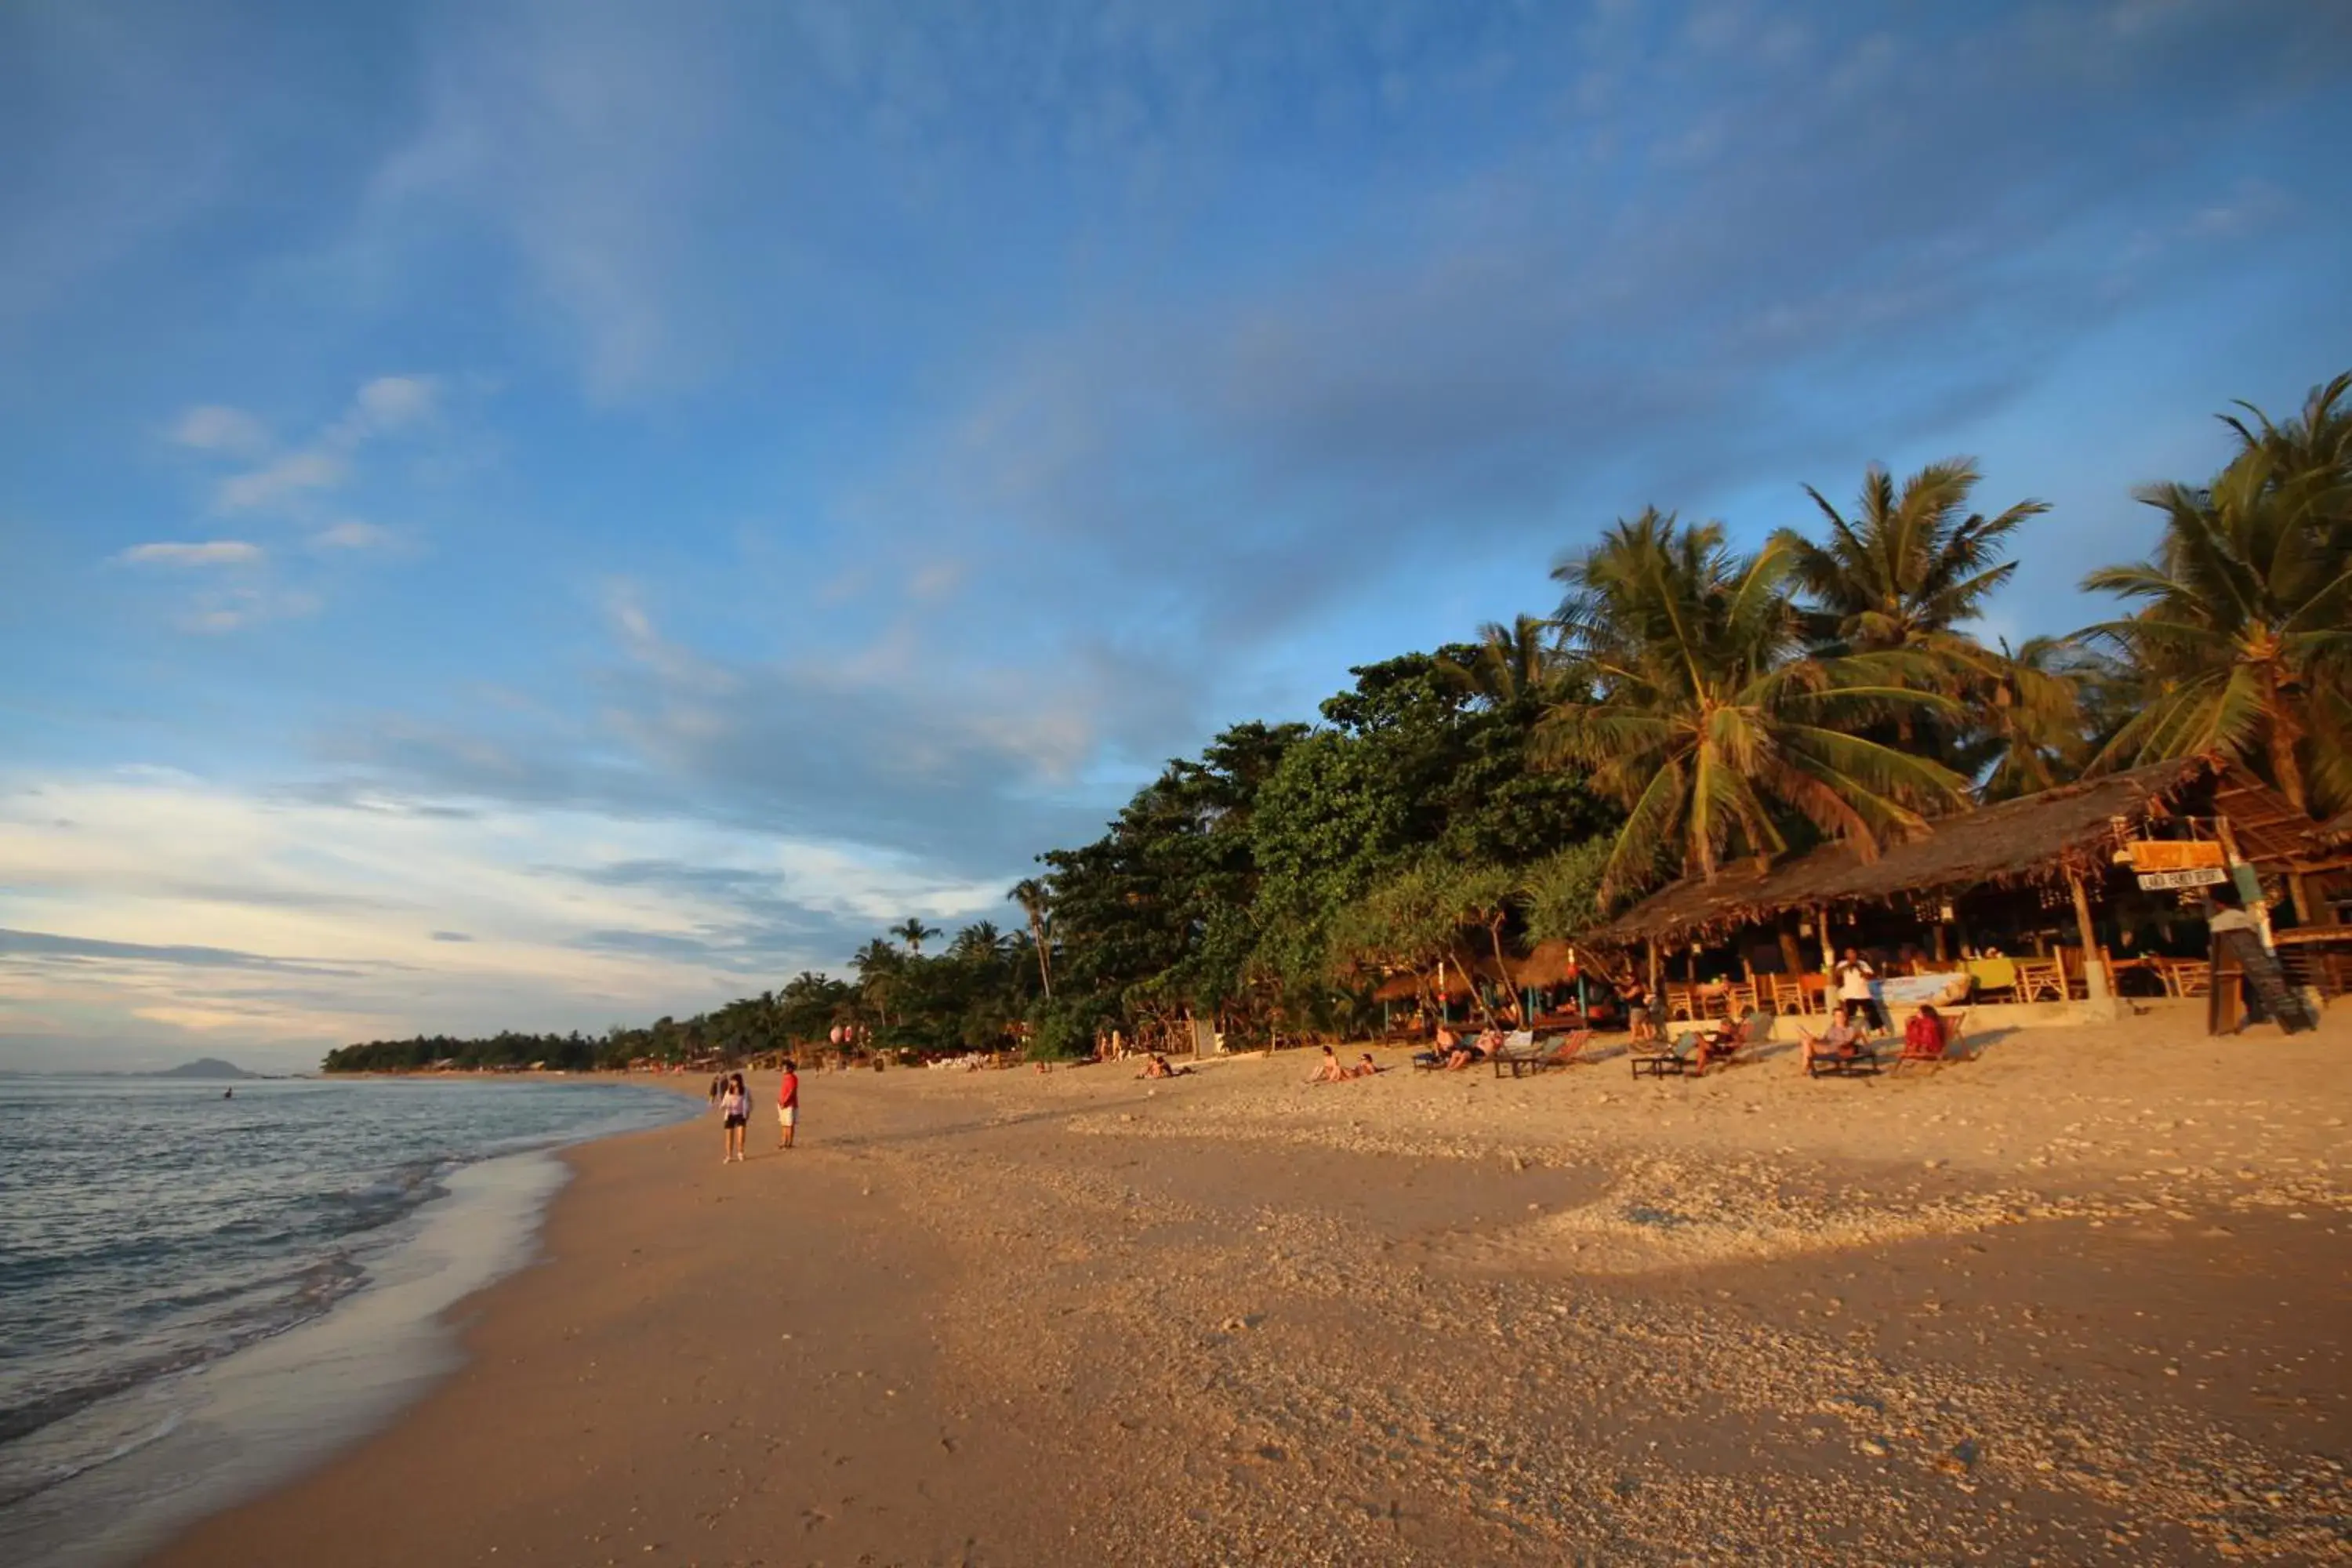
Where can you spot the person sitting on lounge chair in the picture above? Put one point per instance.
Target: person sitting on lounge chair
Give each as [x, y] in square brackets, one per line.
[1839, 1039]
[1720, 1039]
[1469, 1053]
[1924, 1038]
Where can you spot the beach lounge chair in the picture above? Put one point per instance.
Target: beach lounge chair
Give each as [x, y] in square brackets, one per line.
[1859, 1060]
[1558, 1051]
[1754, 1028]
[1675, 1059]
[1518, 1047]
[1946, 1049]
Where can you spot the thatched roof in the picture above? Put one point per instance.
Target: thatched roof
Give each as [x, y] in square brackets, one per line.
[2036, 839]
[1550, 963]
[2266, 823]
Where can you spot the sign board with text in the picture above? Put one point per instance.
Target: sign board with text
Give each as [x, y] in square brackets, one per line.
[2176, 856]
[2194, 877]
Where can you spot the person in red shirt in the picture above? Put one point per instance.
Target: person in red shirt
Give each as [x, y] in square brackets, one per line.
[1924, 1037]
[788, 1106]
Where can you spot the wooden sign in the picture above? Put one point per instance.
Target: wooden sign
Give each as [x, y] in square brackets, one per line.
[2176, 855]
[2191, 877]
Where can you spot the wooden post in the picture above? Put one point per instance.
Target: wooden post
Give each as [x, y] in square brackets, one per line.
[1656, 978]
[2302, 895]
[1941, 951]
[2095, 973]
[1829, 948]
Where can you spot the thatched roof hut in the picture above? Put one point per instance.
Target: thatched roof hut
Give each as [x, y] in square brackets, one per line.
[2038, 839]
[1549, 963]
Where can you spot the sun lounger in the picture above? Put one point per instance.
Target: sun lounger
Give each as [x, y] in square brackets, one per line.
[1946, 1050]
[1859, 1061]
[1753, 1029]
[1675, 1059]
[1540, 1053]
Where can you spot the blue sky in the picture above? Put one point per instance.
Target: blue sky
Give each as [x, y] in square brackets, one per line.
[549, 514]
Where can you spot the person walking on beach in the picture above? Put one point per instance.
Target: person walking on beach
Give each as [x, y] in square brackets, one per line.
[735, 1112]
[1855, 975]
[788, 1106]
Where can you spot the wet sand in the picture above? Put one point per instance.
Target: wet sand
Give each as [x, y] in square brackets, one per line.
[2087, 1299]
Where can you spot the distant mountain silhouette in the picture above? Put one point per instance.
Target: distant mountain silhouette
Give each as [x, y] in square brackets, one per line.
[206, 1067]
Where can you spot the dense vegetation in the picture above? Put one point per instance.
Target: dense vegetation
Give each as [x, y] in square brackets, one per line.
[1684, 705]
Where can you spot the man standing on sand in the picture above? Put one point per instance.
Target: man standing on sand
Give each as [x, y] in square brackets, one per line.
[788, 1106]
[1855, 990]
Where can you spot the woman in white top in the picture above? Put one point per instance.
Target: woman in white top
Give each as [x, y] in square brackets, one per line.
[1854, 977]
[734, 1111]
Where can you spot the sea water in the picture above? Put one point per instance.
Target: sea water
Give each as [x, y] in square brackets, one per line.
[200, 1293]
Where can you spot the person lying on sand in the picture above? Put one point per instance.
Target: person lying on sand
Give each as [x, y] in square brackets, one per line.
[1839, 1039]
[1156, 1066]
[1365, 1068]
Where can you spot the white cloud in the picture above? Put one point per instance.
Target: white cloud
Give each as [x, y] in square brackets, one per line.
[267, 918]
[386, 405]
[234, 609]
[280, 482]
[209, 552]
[351, 533]
[216, 427]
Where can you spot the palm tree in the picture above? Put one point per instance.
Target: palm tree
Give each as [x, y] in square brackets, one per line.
[2311, 454]
[1910, 566]
[1707, 720]
[979, 943]
[914, 932]
[1512, 663]
[2027, 732]
[877, 964]
[2242, 647]
[1035, 902]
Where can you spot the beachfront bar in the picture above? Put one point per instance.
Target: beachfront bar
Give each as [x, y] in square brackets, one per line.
[2051, 909]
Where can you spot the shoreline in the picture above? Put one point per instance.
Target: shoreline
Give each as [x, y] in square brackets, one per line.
[257, 1415]
[2002, 1311]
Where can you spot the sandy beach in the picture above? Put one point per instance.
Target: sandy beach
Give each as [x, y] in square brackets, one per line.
[2087, 1299]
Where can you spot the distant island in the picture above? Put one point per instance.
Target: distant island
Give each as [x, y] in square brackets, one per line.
[204, 1067]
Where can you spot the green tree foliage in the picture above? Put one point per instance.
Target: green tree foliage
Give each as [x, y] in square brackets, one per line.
[1911, 566]
[2242, 644]
[1686, 704]
[1706, 715]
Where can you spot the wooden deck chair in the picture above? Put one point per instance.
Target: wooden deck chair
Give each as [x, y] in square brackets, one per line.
[1946, 1049]
[1672, 1061]
[2040, 980]
[1558, 1051]
[1517, 1051]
